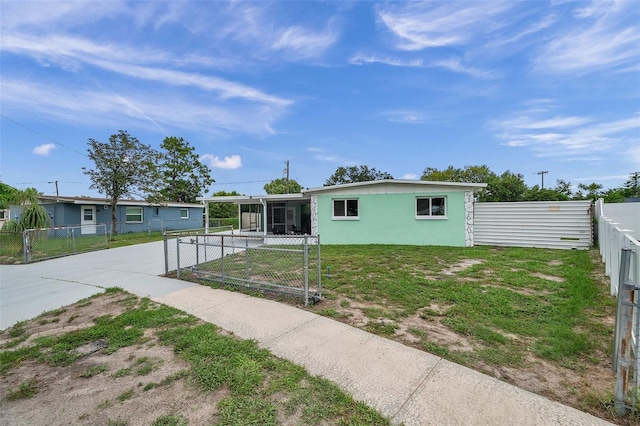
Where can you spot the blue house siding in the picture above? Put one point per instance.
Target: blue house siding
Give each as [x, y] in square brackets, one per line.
[67, 211]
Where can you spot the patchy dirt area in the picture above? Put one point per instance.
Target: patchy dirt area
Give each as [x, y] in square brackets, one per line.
[133, 385]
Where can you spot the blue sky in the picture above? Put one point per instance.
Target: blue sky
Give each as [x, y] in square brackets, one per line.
[519, 85]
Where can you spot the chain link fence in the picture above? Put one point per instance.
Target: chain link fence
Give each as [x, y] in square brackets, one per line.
[47, 243]
[288, 264]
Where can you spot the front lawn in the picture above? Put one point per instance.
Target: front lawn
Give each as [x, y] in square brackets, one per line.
[538, 318]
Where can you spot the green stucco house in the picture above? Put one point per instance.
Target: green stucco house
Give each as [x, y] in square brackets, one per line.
[376, 212]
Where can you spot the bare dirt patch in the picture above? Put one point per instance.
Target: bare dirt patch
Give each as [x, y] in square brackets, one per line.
[133, 385]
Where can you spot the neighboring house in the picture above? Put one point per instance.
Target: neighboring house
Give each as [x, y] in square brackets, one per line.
[131, 215]
[375, 212]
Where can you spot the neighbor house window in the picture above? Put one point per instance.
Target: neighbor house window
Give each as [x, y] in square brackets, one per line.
[431, 207]
[134, 214]
[184, 213]
[345, 209]
[2, 214]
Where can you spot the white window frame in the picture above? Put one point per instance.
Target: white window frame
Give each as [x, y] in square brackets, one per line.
[346, 211]
[431, 216]
[184, 210]
[127, 214]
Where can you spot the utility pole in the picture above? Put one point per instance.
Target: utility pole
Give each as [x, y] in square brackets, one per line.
[542, 173]
[56, 182]
[287, 179]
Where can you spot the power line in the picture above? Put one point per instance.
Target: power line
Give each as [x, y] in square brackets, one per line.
[43, 136]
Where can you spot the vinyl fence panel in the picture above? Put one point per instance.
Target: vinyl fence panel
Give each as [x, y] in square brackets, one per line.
[545, 224]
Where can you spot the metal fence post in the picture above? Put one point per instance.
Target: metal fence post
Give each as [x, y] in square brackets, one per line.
[246, 259]
[166, 254]
[197, 252]
[25, 246]
[73, 238]
[222, 258]
[319, 267]
[306, 270]
[178, 257]
[106, 236]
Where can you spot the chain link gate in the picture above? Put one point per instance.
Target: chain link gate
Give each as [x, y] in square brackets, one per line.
[288, 264]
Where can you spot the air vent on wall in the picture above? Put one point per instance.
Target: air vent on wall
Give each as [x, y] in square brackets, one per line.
[105, 207]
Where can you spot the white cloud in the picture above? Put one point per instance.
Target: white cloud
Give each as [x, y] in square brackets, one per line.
[230, 162]
[418, 26]
[44, 149]
[149, 109]
[361, 58]
[568, 138]
[405, 116]
[410, 176]
[606, 36]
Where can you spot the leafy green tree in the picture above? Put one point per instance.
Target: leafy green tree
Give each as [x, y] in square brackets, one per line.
[184, 177]
[33, 215]
[223, 210]
[593, 190]
[506, 187]
[535, 193]
[563, 187]
[7, 193]
[633, 185]
[470, 174]
[124, 167]
[356, 174]
[279, 186]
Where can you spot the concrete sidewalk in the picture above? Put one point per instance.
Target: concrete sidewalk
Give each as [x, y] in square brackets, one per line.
[405, 384]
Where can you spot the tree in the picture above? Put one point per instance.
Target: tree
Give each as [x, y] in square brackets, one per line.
[535, 193]
[7, 193]
[183, 175]
[471, 174]
[563, 187]
[593, 190]
[356, 174]
[33, 215]
[506, 187]
[223, 210]
[279, 186]
[633, 184]
[124, 167]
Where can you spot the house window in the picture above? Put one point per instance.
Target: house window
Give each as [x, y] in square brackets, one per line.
[2, 214]
[431, 207]
[184, 213]
[134, 214]
[345, 209]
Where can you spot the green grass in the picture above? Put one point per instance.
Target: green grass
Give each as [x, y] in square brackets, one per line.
[170, 420]
[258, 388]
[25, 390]
[539, 296]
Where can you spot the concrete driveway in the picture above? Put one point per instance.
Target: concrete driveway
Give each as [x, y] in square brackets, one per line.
[26, 291]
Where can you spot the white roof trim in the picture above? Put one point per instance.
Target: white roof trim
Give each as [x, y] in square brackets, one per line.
[253, 199]
[460, 185]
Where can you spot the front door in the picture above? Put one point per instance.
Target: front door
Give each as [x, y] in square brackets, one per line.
[88, 219]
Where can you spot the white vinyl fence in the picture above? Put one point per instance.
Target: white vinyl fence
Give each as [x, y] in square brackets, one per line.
[547, 224]
[613, 236]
